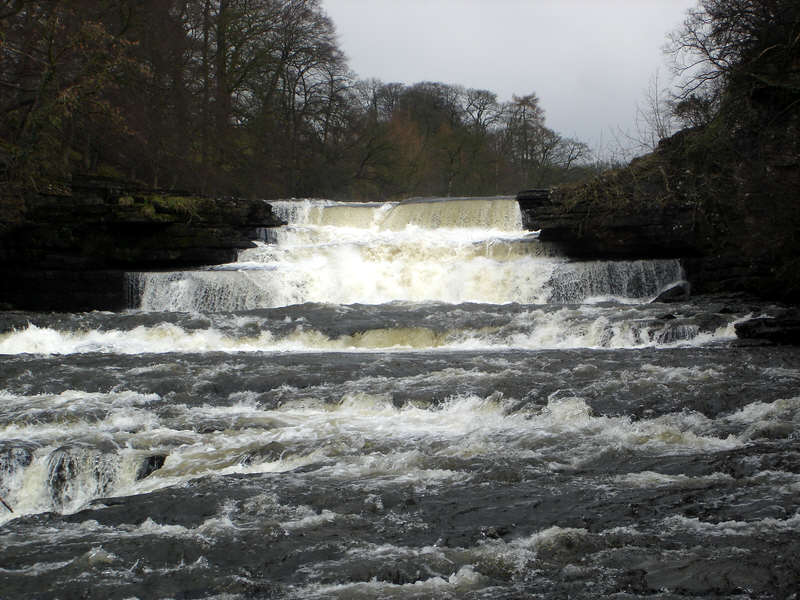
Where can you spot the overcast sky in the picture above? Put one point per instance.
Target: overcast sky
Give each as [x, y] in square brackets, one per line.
[589, 61]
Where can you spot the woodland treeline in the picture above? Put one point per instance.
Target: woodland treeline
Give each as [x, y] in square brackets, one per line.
[248, 97]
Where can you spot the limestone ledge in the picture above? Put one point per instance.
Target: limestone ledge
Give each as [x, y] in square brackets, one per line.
[67, 248]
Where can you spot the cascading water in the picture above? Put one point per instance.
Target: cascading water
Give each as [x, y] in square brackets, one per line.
[399, 400]
[454, 251]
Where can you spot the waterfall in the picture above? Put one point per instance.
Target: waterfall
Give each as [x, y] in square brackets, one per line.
[67, 477]
[499, 214]
[452, 250]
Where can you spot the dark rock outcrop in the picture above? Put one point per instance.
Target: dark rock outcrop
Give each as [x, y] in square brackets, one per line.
[150, 465]
[68, 249]
[582, 228]
[783, 328]
[674, 293]
[724, 201]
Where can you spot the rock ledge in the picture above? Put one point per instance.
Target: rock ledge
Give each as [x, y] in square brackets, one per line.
[68, 249]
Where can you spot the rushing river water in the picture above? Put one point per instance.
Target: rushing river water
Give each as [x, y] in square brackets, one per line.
[414, 400]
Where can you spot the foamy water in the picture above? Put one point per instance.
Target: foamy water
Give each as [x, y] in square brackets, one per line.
[530, 330]
[468, 250]
[399, 400]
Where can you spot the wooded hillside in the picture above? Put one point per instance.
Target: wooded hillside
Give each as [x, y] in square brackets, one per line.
[247, 97]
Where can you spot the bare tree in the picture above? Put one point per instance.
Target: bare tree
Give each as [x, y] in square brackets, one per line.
[58, 60]
[655, 118]
[572, 152]
[751, 41]
[481, 109]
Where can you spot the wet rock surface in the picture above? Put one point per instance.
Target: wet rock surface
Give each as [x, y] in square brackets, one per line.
[582, 228]
[150, 465]
[782, 328]
[674, 293]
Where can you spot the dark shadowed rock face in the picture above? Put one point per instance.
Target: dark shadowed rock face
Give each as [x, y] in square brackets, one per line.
[723, 201]
[582, 228]
[783, 329]
[677, 292]
[150, 465]
[69, 250]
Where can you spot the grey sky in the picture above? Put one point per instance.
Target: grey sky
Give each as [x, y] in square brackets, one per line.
[589, 61]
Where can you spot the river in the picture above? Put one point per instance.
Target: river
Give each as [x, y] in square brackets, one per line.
[413, 400]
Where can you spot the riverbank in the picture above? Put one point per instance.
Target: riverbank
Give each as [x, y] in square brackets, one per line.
[724, 202]
[68, 248]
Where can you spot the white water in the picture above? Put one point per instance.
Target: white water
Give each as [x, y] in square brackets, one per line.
[364, 436]
[534, 329]
[422, 400]
[452, 251]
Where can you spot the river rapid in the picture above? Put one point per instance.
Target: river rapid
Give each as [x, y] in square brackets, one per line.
[413, 400]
